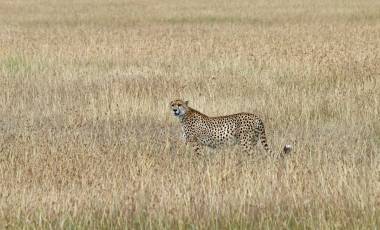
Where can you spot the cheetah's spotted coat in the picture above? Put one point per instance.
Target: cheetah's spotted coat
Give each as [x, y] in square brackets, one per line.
[198, 129]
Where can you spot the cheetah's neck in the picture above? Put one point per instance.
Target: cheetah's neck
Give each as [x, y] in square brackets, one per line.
[192, 113]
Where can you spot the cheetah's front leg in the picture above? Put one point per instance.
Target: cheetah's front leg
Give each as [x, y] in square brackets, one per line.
[193, 142]
[196, 148]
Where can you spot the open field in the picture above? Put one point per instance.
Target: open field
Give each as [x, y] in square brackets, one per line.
[87, 138]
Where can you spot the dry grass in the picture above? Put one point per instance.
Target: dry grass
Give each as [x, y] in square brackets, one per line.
[87, 138]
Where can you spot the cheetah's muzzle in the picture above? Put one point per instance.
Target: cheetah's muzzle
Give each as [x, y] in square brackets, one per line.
[176, 112]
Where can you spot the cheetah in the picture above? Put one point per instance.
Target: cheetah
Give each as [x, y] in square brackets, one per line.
[201, 130]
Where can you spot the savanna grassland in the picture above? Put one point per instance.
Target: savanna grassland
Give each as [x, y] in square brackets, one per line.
[87, 139]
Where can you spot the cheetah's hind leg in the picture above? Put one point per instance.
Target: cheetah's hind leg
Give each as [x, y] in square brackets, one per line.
[249, 141]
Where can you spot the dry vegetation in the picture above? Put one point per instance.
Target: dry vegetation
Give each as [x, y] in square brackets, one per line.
[87, 139]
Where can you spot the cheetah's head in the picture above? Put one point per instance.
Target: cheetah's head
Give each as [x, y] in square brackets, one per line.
[179, 107]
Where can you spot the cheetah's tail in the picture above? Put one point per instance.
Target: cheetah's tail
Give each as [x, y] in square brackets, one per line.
[287, 149]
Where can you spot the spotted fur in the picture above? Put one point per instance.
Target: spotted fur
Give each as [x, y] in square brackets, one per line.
[201, 130]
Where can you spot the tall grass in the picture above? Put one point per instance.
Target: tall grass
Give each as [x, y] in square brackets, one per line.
[88, 141]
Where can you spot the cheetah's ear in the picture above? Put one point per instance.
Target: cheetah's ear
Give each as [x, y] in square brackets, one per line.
[187, 103]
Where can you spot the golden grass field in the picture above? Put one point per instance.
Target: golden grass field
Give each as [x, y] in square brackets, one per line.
[88, 139]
